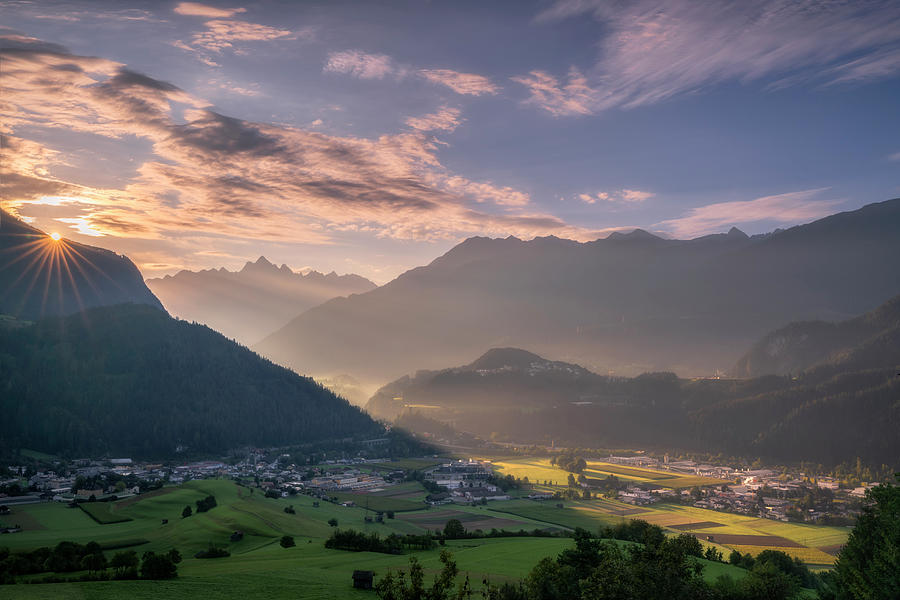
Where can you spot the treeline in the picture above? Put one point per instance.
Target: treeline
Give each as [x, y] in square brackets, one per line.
[131, 380]
[355, 541]
[69, 557]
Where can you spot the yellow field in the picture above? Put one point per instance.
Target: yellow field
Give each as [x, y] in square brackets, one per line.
[540, 470]
[812, 538]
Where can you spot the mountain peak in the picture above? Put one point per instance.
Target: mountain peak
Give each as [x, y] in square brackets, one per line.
[736, 233]
[497, 358]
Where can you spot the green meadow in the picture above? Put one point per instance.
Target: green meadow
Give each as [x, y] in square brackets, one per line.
[258, 565]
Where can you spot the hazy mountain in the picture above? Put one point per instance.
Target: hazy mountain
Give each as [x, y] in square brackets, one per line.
[40, 276]
[631, 302]
[799, 346]
[251, 303]
[131, 380]
[501, 378]
[828, 414]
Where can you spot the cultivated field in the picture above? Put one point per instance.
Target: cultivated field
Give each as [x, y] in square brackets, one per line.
[539, 470]
[258, 566]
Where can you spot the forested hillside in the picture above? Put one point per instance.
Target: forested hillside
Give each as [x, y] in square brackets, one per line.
[131, 380]
[42, 276]
[842, 409]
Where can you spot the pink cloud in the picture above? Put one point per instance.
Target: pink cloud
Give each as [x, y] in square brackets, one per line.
[790, 208]
[361, 64]
[653, 50]
[574, 97]
[208, 174]
[461, 83]
[445, 119]
[195, 9]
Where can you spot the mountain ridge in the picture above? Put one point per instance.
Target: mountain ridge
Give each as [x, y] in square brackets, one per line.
[43, 276]
[624, 303]
[257, 299]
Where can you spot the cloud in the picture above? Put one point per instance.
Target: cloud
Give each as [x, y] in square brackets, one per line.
[365, 65]
[361, 64]
[653, 50]
[445, 119]
[195, 9]
[461, 83]
[210, 174]
[223, 33]
[574, 97]
[621, 196]
[894, 157]
[790, 208]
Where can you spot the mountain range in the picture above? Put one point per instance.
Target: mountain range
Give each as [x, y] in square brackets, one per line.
[841, 401]
[42, 276]
[90, 364]
[629, 303]
[249, 304]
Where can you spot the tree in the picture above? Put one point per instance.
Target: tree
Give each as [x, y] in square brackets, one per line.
[186, 512]
[157, 566]
[94, 562]
[333, 522]
[394, 586]
[174, 555]
[124, 561]
[571, 480]
[868, 566]
[454, 529]
[287, 541]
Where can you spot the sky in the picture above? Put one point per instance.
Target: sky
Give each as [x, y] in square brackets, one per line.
[371, 137]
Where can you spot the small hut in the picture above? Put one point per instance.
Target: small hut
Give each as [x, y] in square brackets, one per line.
[363, 579]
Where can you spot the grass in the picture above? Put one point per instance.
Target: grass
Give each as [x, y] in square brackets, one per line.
[259, 567]
[102, 512]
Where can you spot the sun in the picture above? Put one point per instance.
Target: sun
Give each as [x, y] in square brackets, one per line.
[55, 236]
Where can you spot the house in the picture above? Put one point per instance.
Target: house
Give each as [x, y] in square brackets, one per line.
[363, 580]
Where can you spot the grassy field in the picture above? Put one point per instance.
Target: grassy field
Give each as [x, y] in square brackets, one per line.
[259, 567]
[540, 470]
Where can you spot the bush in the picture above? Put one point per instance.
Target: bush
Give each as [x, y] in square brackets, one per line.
[287, 542]
[206, 504]
[213, 552]
[157, 566]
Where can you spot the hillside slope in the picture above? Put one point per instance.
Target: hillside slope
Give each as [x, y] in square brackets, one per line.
[800, 346]
[131, 380]
[629, 303]
[40, 276]
[249, 304]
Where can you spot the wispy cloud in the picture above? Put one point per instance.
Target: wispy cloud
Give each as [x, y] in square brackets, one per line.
[361, 64]
[462, 83]
[445, 119]
[790, 208]
[620, 196]
[195, 9]
[223, 32]
[652, 50]
[365, 65]
[575, 97]
[894, 157]
[211, 174]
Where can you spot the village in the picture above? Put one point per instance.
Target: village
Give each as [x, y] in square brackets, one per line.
[757, 492]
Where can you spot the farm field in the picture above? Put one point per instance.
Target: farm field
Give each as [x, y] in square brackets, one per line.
[258, 566]
[540, 470]
[813, 544]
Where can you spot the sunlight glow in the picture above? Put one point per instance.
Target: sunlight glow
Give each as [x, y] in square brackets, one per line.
[56, 237]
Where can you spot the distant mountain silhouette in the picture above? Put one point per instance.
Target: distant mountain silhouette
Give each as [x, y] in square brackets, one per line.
[800, 346]
[251, 303]
[129, 379]
[42, 277]
[831, 413]
[499, 379]
[630, 303]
